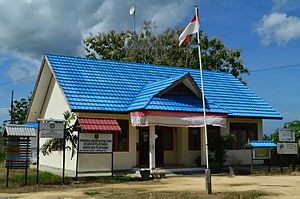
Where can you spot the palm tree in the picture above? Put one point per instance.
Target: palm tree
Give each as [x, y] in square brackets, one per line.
[56, 144]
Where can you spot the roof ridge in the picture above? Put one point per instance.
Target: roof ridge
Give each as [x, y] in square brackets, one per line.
[137, 63]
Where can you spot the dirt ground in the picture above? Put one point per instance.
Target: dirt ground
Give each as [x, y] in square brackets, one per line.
[275, 186]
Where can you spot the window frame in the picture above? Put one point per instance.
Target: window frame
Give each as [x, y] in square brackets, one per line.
[242, 126]
[124, 125]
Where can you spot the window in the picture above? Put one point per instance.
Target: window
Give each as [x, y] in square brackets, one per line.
[194, 139]
[243, 132]
[121, 140]
[168, 138]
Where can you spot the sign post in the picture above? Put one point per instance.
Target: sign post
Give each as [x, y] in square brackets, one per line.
[286, 135]
[17, 149]
[261, 150]
[50, 128]
[287, 144]
[287, 148]
[95, 143]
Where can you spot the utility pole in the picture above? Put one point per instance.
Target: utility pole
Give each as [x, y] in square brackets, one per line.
[12, 118]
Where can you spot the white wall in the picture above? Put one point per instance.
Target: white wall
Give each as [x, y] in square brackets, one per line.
[186, 157]
[53, 106]
[123, 160]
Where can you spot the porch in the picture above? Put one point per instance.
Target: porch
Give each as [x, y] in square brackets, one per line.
[173, 140]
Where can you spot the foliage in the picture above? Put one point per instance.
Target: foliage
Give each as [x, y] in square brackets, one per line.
[19, 113]
[218, 145]
[286, 160]
[294, 125]
[2, 144]
[2, 156]
[162, 48]
[57, 144]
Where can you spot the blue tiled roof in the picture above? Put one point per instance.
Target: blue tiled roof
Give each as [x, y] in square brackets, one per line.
[103, 85]
[151, 89]
[33, 124]
[178, 103]
[262, 144]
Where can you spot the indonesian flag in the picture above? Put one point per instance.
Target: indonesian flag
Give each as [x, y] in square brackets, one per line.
[191, 28]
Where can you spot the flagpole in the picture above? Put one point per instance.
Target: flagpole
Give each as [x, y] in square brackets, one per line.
[207, 171]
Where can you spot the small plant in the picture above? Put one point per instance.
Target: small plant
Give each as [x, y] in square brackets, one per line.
[91, 193]
[218, 146]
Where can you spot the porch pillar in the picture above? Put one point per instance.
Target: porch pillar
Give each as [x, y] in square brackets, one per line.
[203, 154]
[152, 147]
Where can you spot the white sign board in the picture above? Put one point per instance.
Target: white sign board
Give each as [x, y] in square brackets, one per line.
[287, 148]
[286, 135]
[52, 130]
[95, 142]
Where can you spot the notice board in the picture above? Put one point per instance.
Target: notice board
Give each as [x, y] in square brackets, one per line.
[95, 142]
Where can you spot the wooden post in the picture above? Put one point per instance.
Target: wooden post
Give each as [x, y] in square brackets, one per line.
[77, 158]
[38, 155]
[64, 157]
[251, 160]
[112, 156]
[7, 175]
[270, 165]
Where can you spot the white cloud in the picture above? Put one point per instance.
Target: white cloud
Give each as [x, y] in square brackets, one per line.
[31, 28]
[23, 67]
[285, 5]
[279, 28]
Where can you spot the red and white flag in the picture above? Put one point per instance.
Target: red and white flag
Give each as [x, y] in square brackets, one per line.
[191, 28]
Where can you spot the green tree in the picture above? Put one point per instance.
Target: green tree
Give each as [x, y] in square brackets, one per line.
[71, 138]
[20, 110]
[162, 49]
[294, 125]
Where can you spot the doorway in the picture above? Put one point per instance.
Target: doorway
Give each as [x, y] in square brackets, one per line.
[159, 147]
[143, 147]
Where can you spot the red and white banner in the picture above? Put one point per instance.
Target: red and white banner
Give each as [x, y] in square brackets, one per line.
[176, 119]
[192, 28]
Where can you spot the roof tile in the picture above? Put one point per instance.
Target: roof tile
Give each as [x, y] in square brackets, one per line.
[103, 85]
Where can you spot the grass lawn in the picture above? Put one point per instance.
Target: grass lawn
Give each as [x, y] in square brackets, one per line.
[46, 180]
[134, 193]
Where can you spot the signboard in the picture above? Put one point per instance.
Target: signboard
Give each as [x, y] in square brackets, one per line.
[52, 129]
[95, 142]
[17, 152]
[287, 148]
[286, 135]
[261, 153]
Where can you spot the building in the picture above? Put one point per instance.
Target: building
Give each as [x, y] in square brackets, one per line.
[158, 108]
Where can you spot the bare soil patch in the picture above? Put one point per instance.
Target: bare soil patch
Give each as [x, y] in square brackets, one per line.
[180, 187]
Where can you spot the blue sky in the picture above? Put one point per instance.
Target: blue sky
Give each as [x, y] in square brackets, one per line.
[268, 32]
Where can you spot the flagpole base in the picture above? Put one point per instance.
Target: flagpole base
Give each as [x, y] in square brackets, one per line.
[208, 188]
